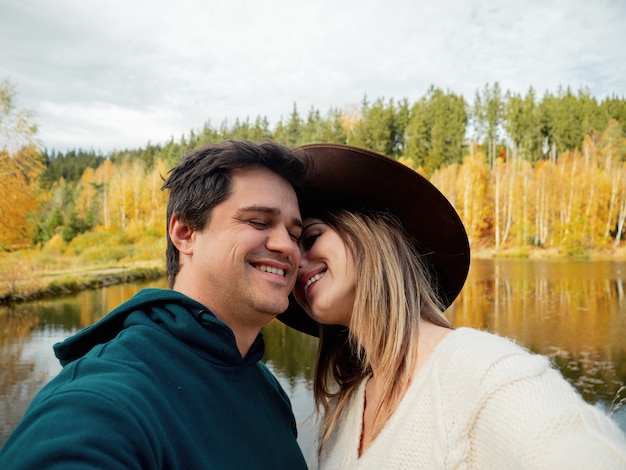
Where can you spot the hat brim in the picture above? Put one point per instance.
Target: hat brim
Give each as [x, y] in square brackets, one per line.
[341, 176]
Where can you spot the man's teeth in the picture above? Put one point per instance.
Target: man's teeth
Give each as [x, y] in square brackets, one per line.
[270, 269]
[317, 277]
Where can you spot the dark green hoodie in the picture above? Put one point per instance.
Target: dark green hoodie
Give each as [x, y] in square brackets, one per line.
[157, 383]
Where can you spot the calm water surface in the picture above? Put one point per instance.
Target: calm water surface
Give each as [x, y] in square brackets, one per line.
[573, 312]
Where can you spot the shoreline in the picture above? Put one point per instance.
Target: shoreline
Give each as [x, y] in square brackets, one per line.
[535, 253]
[46, 284]
[59, 283]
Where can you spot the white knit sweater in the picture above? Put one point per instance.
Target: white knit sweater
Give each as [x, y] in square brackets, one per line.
[482, 402]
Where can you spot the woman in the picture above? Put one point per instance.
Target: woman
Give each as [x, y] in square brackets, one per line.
[383, 254]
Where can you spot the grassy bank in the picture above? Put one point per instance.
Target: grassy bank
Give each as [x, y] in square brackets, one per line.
[91, 260]
[62, 282]
[30, 275]
[53, 271]
[614, 254]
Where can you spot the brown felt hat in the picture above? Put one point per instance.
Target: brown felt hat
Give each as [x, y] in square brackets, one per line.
[340, 176]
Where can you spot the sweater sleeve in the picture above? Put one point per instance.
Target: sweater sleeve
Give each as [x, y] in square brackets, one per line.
[532, 416]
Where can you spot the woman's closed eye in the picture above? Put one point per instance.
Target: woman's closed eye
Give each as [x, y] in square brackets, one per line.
[308, 239]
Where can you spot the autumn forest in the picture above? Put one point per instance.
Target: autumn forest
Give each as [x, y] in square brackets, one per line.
[525, 172]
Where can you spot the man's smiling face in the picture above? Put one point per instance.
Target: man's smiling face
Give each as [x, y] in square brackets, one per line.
[245, 260]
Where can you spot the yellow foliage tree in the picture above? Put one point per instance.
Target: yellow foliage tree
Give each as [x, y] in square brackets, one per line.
[87, 193]
[20, 166]
[102, 176]
[349, 118]
[546, 190]
[20, 198]
[474, 198]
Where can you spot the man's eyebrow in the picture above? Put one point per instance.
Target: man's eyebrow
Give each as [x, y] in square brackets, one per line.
[312, 223]
[273, 211]
[264, 209]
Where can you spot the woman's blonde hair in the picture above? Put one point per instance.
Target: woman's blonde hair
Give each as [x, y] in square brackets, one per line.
[394, 290]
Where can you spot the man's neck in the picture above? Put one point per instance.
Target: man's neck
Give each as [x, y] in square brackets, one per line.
[244, 342]
[245, 332]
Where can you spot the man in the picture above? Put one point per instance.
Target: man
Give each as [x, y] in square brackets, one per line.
[173, 378]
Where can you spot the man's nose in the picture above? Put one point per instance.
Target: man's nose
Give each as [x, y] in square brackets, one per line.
[280, 240]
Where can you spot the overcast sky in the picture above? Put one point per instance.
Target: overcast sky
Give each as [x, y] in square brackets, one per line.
[115, 74]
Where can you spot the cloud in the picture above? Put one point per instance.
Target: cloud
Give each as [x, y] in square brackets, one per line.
[115, 74]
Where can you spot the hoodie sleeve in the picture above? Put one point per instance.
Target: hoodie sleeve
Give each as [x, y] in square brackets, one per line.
[74, 430]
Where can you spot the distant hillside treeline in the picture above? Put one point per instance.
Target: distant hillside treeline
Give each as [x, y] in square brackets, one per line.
[521, 170]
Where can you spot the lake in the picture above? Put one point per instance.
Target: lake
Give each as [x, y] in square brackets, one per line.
[573, 312]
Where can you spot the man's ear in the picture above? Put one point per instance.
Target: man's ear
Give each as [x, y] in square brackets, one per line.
[181, 235]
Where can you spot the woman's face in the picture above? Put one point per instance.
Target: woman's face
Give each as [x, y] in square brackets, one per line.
[327, 275]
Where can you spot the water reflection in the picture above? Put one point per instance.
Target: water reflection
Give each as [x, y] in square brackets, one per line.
[29, 330]
[573, 312]
[290, 355]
